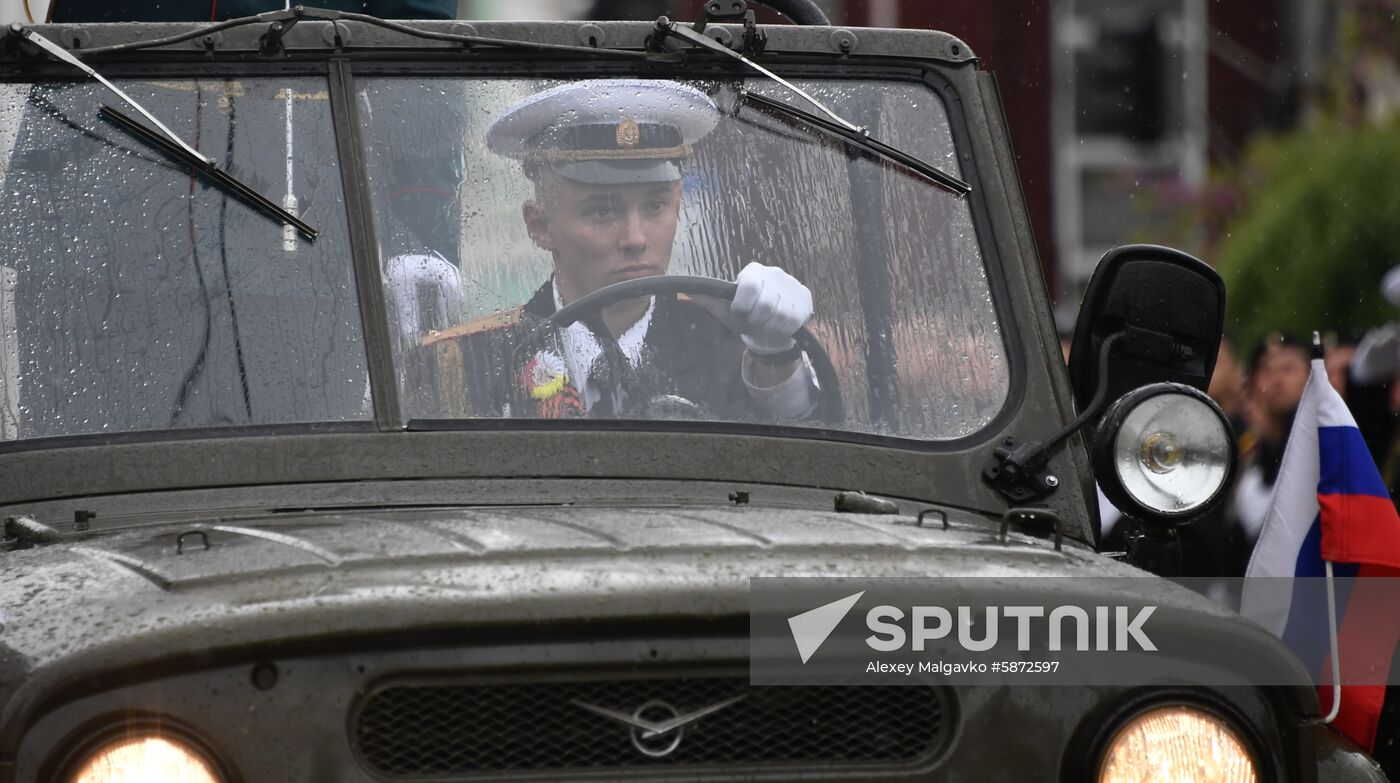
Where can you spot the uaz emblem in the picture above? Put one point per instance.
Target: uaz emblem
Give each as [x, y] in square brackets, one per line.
[657, 727]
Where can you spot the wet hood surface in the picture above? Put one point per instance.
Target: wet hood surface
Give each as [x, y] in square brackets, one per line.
[172, 591]
[489, 556]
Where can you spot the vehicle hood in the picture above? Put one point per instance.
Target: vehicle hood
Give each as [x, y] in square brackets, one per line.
[129, 597]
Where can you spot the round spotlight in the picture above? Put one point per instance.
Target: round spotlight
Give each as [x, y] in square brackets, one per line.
[1177, 743]
[145, 759]
[1164, 452]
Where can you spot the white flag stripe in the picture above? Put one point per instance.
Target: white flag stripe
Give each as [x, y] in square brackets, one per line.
[1293, 505]
[1332, 410]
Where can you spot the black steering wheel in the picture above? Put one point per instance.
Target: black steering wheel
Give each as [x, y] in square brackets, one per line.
[830, 409]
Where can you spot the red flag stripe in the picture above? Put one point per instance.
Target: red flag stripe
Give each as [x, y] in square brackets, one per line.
[1366, 638]
[1360, 529]
[1360, 713]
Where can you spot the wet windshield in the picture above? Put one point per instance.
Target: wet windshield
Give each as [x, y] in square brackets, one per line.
[500, 201]
[134, 296]
[801, 282]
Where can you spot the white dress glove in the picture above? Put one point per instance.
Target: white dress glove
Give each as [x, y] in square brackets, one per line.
[768, 309]
[405, 276]
[1377, 356]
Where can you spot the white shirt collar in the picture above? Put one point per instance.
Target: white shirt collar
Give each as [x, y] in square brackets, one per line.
[581, 348]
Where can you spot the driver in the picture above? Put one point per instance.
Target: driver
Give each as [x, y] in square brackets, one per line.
[605, 159]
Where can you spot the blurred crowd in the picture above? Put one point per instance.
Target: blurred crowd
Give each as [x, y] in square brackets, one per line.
[1259, 392]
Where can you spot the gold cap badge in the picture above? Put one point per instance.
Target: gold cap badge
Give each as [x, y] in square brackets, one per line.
[628, 134]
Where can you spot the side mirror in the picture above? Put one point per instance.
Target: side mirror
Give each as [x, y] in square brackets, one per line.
[1165, 311]
[1145, 346]
[1145, 343]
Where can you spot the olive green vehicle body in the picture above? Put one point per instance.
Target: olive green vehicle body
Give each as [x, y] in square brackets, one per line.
[351, 558]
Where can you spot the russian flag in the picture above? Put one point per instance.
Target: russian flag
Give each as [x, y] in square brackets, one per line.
[1329, 504]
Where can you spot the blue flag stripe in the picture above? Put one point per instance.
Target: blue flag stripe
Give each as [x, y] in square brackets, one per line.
[1306, 633]
[1306, 630]
[1347, 467]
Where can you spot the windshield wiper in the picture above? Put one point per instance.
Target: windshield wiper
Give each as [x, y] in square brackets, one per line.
[833, 123]
[893, 154]
[206, 167]
[166, 141]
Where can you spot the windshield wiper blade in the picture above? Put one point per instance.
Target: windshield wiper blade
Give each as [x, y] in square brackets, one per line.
[832, 123]
[222, 178]
[168, 142]
[893, 154]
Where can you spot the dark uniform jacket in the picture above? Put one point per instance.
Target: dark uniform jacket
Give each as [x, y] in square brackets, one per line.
[513, 365]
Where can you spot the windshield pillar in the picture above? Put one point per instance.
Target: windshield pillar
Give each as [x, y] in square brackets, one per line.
[877, 302]
[364, 249]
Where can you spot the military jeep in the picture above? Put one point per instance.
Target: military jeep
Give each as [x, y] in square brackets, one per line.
[261, 527]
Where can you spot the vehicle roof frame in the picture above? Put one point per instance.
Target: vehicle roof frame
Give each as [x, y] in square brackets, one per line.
[318, 37]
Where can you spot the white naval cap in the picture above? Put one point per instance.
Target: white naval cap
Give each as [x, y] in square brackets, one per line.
[606, 131]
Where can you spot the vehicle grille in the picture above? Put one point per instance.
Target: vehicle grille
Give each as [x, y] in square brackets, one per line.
[408, 731]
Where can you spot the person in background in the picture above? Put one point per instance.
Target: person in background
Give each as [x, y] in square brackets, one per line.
[1340, 349]
[1373, 387]
[1277, 373]
[420, 234]
[1227, 383]
[1368, 397]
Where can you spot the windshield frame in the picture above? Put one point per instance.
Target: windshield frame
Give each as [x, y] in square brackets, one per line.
[341, 72]
[943, 472]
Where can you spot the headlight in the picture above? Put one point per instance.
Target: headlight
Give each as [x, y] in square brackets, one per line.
[145, 759]
[1177, 744]
[1164, 452]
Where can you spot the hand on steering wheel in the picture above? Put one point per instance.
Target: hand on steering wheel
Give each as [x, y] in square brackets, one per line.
[768, 307]
[771, 322]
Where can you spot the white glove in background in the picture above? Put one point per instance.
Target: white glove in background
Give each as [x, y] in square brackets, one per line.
[1377, 356]
[1390, 286]
[424, 292]
[768, 309]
